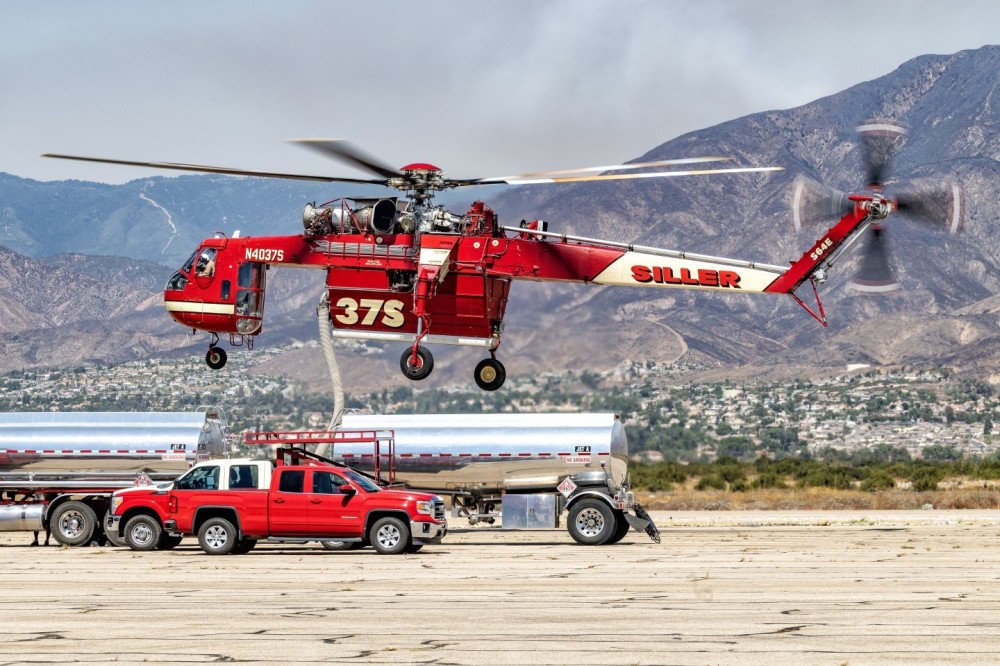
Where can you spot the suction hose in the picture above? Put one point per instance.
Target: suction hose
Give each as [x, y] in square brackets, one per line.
[326, 340]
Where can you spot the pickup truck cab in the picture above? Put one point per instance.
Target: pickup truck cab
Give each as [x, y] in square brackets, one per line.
[231, 504]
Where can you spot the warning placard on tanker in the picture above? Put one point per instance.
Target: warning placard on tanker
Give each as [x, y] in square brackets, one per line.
[566, 487]
[581, 455]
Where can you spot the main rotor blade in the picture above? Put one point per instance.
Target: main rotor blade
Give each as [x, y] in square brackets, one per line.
[340, 149]
[597, 169]
[940, 205]
[813, 202]
[880, 140]
[201, 168]
[620, 176]
[876, 274]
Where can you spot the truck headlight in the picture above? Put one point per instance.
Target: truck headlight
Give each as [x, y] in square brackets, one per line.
[425, 507]
[115, 503]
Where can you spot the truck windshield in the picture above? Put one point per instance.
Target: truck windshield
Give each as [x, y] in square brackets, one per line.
[366, 484]
[199, 478]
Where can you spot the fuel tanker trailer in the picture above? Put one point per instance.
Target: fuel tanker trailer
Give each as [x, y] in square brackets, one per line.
[526, 469]
[59, 469]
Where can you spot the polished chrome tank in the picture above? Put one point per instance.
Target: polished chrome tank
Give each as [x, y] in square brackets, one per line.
[490, 453]
[56, 450]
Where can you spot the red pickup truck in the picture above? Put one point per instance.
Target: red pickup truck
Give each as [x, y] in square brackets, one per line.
[231, 504]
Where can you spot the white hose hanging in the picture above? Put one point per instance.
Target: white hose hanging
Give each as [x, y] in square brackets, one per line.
[326, 340]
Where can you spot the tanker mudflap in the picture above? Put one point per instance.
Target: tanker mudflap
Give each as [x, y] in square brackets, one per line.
[641, 522]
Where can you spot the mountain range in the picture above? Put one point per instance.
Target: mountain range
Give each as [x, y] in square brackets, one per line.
[84, 263]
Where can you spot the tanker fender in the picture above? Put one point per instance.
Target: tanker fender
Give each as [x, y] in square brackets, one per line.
[592, 494]
[96, 501]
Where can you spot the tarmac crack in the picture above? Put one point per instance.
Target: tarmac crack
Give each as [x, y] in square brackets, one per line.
[783, 630]
[42, 636]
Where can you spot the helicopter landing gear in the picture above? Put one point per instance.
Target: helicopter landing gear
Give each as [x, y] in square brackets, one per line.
[418, 368]
[216, 357]
[490, 374]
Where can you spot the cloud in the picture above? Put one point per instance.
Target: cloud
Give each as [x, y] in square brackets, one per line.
[477, 88]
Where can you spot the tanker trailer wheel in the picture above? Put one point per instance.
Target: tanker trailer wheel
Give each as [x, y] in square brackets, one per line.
[342, 545]
[591, 522]
[489, 374]
[143, 532]
[73, 523]
[621, 528]
[423, 366]
[113, 537]
[168, 542]
[390, 536]
[217, 536]
[244, 546]
[216, 358]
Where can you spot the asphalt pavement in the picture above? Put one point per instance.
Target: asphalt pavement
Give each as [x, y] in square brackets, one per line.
[722, 588]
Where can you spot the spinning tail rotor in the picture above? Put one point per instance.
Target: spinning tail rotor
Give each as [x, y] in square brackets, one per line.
[933, 203]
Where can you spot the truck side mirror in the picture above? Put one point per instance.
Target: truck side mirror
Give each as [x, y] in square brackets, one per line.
[347, 489]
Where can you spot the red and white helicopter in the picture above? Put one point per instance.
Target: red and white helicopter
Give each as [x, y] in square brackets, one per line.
[405, 270]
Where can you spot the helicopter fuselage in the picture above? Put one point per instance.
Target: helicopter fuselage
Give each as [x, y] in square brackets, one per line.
[389, 281]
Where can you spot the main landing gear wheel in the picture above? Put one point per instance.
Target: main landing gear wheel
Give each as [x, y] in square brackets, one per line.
[423, 367]
[490, 374]
[216, 358]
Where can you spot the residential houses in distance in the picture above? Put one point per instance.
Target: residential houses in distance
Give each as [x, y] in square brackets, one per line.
[905, 408]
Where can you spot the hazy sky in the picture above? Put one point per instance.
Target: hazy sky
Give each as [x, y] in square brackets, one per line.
[477, 88]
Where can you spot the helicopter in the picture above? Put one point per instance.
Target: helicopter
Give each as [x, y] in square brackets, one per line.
[404, 270]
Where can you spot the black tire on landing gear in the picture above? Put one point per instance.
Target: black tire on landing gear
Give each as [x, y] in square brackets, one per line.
[216, 358]
[423, 367]
[490, 374]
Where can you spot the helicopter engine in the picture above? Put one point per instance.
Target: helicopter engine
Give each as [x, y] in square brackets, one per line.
[377, 216]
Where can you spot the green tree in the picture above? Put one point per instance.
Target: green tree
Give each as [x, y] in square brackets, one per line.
[941, 453]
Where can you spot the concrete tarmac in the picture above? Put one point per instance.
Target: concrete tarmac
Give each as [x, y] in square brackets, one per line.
[722, 588]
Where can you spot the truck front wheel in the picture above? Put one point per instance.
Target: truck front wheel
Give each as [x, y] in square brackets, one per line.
[73, 523]
[143, 532]
[389, 535]
[591, 522]
[217, 536]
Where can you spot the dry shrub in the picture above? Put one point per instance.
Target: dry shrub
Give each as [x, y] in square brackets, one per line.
[819, 499]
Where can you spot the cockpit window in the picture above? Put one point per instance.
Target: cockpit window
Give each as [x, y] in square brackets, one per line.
[176, 282]
[206, 263]
[248, 272]
[186, 268]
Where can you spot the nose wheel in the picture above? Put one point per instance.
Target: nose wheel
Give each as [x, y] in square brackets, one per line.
[416, 363]
[216, 356]
[490, 374]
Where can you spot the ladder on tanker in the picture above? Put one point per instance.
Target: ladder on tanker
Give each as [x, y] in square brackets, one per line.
[292, 443]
